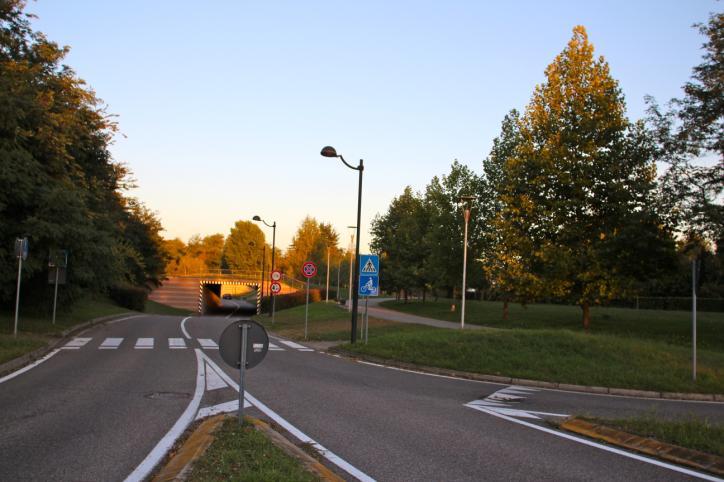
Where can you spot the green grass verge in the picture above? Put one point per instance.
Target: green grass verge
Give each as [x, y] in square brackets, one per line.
[36, 331]
[244, 454]
[551, 355]
[672, 327]
[154, 308]
[692, 433]
[327, 322]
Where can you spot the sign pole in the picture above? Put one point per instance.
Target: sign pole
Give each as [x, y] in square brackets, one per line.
[17, 295]
[367, 320]
[306, 311]
[55, 296]
[242, 367]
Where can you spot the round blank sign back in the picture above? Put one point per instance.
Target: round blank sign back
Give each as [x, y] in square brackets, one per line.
[257, 343]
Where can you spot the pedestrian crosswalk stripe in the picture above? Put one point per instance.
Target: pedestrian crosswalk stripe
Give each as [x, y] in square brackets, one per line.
[76, 343]
[176, 343]
[110, 343]
[273, 347]
[144, 344]
[208, 344]
[296, 346]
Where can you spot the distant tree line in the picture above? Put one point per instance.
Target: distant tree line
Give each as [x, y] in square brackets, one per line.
[568, 206]
[59, 185]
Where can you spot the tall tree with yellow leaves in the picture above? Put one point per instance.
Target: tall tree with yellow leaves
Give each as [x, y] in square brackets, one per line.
[575, 219]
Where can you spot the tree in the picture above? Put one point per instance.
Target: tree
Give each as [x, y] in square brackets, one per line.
[576, 219]
[396, 237]
[310, 243]
[691, 130]
[244, 247]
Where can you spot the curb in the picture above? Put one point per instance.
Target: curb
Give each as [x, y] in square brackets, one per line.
[625, 392]
[194, 447]
[671, 453]
[22, 360]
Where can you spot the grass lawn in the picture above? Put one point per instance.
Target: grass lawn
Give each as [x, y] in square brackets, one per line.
[35, 331]
[694, 433]
[552, 355]
[672, 327]
[154, 308]
[244, 454]
[327, 322]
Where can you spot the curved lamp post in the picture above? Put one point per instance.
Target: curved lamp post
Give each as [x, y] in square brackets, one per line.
[329, 151]
[465, 201]
[274, 240]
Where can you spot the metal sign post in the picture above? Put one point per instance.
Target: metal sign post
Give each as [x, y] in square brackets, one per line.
[21, 252]
[276, 277]
[242, 368]
[58, 260]
[366, 320]
[309, 269]
[369, 285]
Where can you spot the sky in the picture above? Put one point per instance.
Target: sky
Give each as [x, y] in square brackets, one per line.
[224, 106]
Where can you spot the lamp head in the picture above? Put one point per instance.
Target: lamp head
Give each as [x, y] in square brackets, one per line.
[256, 218]
[329, 151]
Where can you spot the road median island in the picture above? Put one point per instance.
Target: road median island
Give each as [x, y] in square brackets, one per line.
[650, 446]
[219, 449]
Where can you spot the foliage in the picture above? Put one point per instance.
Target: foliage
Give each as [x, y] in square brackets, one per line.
[290, 300]
[245, 248]
[129, 297]
[59, 185]
[310, 243]
[692, 131]
[576, 221]
[200, 255]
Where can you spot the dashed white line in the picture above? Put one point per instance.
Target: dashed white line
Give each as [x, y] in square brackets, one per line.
[110, 343]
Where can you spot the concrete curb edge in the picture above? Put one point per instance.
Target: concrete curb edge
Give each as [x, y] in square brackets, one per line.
[22, 360]
[671, 453]
[698, 397]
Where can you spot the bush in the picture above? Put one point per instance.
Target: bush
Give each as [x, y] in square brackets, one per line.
[130, 297]
[290, 300]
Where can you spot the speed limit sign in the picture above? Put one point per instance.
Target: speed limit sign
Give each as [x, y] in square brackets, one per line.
[309, 269]
[275, 288]
[276, 275]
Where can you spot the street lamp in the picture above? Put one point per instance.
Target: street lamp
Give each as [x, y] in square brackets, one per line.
[329, 151]
[465, 200]
[274, 240]
[349, 285]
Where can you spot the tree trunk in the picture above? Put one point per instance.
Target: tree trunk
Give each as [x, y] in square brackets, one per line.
[424, 293]
[586, 315]
[505, 310]
[405, 294]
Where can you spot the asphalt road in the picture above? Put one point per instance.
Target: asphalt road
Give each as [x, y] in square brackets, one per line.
[97, 414]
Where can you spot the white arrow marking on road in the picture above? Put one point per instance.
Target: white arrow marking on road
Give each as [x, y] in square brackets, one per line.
[213, 380]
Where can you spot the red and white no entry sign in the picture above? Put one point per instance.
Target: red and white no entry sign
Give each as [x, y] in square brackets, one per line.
[276, 275]
[275, 288]
[309, 269]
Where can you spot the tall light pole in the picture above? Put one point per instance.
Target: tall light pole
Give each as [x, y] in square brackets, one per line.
[349, 285]
[465, 200]
[327, 297]
[274, 240]
[329, 151]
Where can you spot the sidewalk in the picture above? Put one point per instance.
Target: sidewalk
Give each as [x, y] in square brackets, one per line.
[376, 311]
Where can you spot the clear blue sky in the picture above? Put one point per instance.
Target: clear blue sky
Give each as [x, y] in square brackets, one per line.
[224, 105]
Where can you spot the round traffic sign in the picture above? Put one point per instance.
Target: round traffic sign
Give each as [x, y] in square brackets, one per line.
[275, 288]
[309, 269]
[276, 275]
[257, 343]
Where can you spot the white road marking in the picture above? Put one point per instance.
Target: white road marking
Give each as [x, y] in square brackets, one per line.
[144, 344]
[165, 444]
[183, 328]
[225, 407]
[296, 346]
[498, 402]
[208, 344]
[177, 343]
[448, 377]
[604, 447]
[110, 343]
[28, 367]
[273, 347]
[329, 455]
[76, 343]
[214, 381]
[121, 319]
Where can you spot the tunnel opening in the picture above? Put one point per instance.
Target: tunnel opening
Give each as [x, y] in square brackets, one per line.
[219, 297]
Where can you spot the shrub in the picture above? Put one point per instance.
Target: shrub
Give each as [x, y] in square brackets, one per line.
[130, 297]
[290, 300]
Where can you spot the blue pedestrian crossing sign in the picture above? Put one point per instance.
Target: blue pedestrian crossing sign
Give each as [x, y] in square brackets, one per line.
[369, 285]
[369, 272]
[369, 265]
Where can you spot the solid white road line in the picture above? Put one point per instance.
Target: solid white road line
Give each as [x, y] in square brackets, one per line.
[604, 447]
[144, 344]
[329, 455]
[28, 367]
[110, 343]
[165, 444]
[183, 328]
[76, 343]
[208, 344]
[425, 373]
[177, 343]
